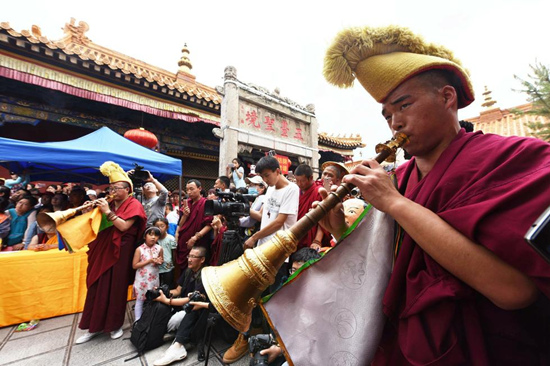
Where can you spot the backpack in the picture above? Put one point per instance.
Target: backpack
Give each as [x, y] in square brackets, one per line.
[149, 330]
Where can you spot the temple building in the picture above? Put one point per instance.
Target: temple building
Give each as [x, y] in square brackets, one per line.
[505, 122]
[256, 121]
[64, 89]
[334, 148]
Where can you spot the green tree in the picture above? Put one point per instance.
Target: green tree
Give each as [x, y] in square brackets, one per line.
[537, 87]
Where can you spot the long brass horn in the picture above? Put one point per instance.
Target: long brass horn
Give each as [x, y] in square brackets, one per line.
[53, 219]
[49, 219]
[235, 287]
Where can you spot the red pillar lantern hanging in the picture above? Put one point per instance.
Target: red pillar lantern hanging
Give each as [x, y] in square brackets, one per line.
[142, 137]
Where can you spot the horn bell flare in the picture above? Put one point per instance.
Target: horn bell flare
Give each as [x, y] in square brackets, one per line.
[235, 287]
[54, 219]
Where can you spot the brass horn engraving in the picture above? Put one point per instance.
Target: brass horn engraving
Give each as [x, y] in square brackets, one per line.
[228, 309]
[234, 287]
[259, 269]
[253, 270]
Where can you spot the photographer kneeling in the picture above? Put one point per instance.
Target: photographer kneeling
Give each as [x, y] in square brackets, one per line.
[196, 307]
[189, 283]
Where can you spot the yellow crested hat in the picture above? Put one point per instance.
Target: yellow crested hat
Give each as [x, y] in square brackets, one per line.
[115, 173]
[383, 58]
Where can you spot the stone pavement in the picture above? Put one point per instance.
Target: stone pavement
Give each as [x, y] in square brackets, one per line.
[51, 343]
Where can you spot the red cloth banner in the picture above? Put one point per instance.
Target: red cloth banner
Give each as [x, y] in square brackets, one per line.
[68, 89]
[284, 162]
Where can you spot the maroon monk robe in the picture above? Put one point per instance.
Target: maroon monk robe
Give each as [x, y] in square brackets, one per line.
[194, 223]
[491, 189]
[110, 270]
[306, 200]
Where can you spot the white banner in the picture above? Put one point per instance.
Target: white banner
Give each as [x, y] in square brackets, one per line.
[331, 313]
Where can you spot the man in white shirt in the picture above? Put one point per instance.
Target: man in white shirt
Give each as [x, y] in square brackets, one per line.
[280, 208]
[279, 211]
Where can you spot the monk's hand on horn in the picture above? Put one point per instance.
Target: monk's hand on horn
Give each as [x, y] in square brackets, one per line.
[334, 220]
[375, 184]
[103, 205]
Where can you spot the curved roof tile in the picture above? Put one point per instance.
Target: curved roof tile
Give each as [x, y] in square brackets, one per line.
[76, 43]
[351, 142]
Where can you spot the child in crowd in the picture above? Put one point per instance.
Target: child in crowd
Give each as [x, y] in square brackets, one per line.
[37, 236]
[172, 217]
[147, 259]
[43, 238]
[168, 244]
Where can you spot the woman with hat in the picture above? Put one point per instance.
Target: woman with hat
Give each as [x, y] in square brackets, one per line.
[256, 185]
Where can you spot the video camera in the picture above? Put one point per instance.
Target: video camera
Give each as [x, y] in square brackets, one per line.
[229, 204]
[258, 343]
[139, 175]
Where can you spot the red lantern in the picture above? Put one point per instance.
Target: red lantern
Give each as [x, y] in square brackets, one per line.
[142, 137]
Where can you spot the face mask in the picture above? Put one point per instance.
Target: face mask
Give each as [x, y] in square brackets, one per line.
[252, 190]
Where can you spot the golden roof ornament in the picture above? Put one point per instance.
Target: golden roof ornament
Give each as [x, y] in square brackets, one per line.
[184, 71]
[489, 102]
[184, 62]
[76, 34]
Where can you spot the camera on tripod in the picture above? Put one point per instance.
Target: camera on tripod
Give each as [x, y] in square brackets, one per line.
[229, 204]
[258, 343]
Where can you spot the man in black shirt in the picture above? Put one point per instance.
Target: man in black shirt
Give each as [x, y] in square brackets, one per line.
[189, 282]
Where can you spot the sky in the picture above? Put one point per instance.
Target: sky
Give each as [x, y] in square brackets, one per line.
[281, 44]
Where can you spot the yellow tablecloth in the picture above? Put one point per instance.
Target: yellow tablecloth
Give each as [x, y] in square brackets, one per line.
[38, 285]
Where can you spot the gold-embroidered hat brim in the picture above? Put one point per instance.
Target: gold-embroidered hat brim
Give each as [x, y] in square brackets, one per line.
[381, 74]
[384, 57]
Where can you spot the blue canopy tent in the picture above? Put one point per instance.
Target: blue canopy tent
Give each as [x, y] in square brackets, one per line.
[79, 159]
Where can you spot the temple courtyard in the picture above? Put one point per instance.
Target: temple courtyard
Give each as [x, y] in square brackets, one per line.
[52, 343]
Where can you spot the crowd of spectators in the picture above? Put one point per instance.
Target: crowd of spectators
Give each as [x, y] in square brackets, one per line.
[21, 201]
[185, 236]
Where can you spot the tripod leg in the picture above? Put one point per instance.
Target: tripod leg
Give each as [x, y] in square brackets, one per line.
[201, 356]
[211, 323]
